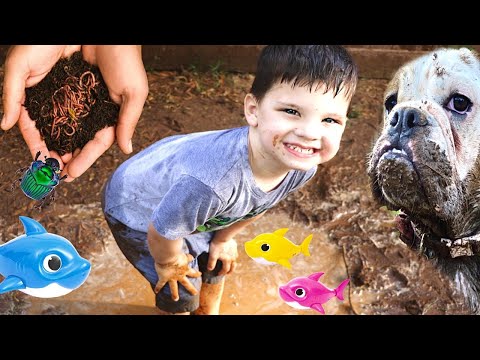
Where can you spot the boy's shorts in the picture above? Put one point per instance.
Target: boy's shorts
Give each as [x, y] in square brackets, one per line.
[134, 246]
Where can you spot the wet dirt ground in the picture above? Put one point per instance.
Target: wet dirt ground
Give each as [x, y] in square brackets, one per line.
[352, 236]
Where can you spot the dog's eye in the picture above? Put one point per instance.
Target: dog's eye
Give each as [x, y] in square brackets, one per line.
[459, 103]
[390, 102]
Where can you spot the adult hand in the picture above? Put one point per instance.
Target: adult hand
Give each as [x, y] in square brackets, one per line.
[26, 66]
[124, 74]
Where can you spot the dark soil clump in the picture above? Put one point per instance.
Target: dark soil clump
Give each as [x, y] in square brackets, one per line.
[71, 104]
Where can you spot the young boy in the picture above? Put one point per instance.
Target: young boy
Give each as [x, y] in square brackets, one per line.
[175, 207]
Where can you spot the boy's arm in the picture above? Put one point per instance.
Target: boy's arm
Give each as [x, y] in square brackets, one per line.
[223, 247]
[162, 249]
[171, 263]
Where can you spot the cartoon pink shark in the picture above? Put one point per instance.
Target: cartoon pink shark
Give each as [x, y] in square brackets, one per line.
[309, 293]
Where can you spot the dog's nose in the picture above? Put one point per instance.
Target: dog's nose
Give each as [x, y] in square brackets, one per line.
[404, 120]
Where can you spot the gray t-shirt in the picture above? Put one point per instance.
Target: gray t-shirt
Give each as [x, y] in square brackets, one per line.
[195, 182]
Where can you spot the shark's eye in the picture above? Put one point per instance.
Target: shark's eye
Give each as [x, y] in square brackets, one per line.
[265, 247]
[300, 292]
[52, 263]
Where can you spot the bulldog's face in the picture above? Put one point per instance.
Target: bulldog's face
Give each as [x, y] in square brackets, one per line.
[425, 161]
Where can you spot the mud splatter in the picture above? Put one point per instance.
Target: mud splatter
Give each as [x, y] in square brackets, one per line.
[275, 140]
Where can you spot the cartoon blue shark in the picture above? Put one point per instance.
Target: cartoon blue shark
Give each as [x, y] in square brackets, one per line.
[41, 264]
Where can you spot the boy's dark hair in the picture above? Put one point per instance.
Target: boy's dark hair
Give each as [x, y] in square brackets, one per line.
[305, 65]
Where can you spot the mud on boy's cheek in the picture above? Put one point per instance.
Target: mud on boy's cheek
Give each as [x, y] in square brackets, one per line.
[275, 140]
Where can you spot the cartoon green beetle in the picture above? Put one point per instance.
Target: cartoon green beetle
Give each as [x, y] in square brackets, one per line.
[39, 180]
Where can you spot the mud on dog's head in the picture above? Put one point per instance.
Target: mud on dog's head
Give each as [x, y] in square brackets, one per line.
[426, 163]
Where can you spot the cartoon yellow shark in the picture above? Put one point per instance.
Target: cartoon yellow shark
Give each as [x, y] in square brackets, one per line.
[275, 248]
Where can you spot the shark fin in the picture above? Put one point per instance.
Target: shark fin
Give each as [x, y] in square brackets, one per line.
[286, 263]
[11, 283]
[318, 307]
[305, 244]
[281, 232]
[340, 288]
[31, 226]
[316, 276]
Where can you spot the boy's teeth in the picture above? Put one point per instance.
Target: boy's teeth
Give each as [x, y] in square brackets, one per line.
[301, 150]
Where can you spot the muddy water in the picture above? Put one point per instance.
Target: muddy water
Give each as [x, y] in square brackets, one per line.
[115, 287]
[253, 289]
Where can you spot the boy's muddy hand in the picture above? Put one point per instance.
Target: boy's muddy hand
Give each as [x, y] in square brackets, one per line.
[226, 251]
[176, 272]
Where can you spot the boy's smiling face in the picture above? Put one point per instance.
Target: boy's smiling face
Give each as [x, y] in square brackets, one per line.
[295, 128]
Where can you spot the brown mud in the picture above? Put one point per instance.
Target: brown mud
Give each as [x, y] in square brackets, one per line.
[70, 105]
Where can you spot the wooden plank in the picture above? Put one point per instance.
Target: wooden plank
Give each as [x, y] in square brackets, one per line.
[237, 58]
[372, 62]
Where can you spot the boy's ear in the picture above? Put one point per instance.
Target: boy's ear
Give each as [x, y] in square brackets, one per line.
[250, 108]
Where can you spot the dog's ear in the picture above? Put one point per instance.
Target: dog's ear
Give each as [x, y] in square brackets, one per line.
[466, 55]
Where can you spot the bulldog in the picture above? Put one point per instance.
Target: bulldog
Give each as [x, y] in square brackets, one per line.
[425, 163]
